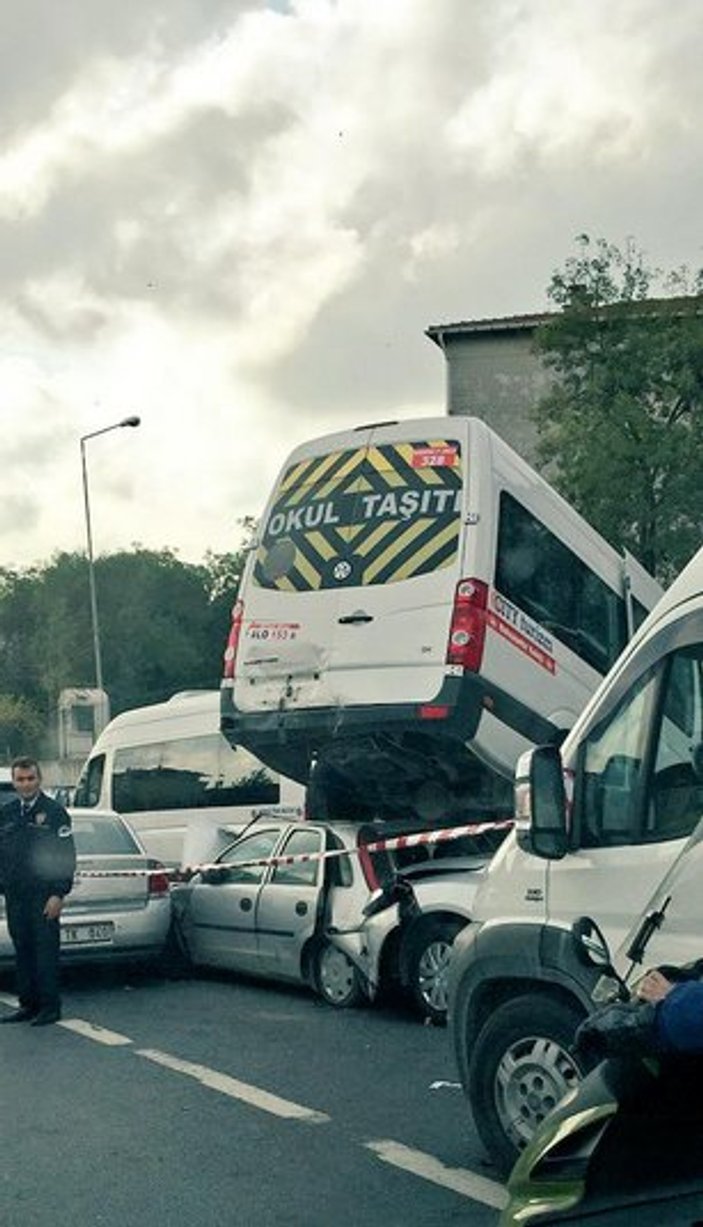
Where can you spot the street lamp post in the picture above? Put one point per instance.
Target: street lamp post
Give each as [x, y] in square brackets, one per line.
[130, 421]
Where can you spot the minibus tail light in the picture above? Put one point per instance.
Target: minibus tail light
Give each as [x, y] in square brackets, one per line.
[233, 640]
[468, 627]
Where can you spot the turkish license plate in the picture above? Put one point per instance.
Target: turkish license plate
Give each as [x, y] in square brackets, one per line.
[89, 934]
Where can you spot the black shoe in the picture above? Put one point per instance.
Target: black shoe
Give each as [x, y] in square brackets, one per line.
[44, 1017]
[20, 1015]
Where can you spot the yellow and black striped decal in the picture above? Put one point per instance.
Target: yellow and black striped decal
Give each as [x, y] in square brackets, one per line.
[369, 515]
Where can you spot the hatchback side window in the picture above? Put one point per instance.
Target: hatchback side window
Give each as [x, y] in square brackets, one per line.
[300, 873]
[256, 847]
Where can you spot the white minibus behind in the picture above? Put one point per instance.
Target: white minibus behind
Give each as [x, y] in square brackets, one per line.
[420, 607]
[169, 770]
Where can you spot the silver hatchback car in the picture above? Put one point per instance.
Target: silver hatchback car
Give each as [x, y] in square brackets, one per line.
[304, 921]
[108, 918]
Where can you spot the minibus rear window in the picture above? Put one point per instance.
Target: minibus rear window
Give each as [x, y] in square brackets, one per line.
[367, 515]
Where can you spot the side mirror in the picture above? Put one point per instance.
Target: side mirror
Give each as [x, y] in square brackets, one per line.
[592, 951]
[540, 803]
[214, 876]
[399, 891]
[590, 945]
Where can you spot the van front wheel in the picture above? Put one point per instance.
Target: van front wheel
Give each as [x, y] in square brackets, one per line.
[521, 1066]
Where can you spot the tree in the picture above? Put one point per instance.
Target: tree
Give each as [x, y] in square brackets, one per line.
[163, 626]
[21, 727]
[621, 430]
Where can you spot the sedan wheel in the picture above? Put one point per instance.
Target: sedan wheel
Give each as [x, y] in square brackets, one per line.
[337, 979]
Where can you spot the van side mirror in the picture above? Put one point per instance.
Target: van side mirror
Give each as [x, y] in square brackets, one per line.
[590, 944]
[540, 803]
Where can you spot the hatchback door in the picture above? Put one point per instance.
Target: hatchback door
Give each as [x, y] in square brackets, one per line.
[220, 919]
[350, 595]
[289, 902]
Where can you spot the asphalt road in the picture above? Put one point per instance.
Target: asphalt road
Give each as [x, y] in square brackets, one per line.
[216, 1101]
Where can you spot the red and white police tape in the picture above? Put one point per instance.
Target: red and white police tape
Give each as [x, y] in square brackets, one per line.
[396, 844]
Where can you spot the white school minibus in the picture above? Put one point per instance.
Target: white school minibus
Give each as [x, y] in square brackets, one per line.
[170, 771]
[420, 607]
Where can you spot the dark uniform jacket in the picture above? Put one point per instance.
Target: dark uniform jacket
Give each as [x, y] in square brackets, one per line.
[37, 852]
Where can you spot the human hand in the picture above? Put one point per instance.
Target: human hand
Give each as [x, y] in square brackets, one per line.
[52, 907]
[654, 987]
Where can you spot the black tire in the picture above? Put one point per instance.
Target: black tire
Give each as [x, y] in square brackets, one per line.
[337, 980]
[428, 966]
[174, 961]
[521, 1066]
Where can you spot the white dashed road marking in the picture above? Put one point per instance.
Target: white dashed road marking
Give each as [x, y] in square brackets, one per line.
[459, 1179]
[91, 1031]
[235, 1089]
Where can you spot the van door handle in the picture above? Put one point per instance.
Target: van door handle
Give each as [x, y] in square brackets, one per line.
[245, 905]
[301, 908]
[356, 618]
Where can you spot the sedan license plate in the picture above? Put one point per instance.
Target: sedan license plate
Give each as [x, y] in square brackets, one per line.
[89, 934]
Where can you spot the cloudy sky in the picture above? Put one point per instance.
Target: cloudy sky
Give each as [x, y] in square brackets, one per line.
[236, 219]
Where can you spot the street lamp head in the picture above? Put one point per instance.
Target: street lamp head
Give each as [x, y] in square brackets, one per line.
[130, 421]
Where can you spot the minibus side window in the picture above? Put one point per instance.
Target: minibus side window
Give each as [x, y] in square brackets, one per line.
[537, 572]
[190, 773]
[90, 784]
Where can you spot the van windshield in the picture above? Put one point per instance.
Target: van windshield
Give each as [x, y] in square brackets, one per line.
[366, 515]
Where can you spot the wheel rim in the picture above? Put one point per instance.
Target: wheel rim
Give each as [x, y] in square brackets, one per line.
[432, 974]
[534, 1074]
[337, 975]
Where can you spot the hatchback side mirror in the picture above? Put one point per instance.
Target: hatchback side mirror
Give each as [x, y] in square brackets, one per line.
[214, 876]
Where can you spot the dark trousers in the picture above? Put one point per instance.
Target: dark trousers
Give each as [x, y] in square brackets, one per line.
[37, 942]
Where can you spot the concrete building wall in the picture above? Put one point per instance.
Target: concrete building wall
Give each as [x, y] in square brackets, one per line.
[493, 374]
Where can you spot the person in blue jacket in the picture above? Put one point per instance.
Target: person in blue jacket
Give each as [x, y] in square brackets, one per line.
[37, 863]
[677, 995]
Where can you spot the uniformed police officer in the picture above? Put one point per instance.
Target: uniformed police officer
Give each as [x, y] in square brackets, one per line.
[37, 863]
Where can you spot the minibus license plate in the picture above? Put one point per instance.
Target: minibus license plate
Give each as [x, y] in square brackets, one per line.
[77, 935]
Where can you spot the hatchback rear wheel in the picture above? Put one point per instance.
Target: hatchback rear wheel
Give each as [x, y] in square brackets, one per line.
[336, 977]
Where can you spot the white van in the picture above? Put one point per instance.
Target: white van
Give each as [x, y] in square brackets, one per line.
[599, 826]
[168, 769]
[417, 590]
[7, 788]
